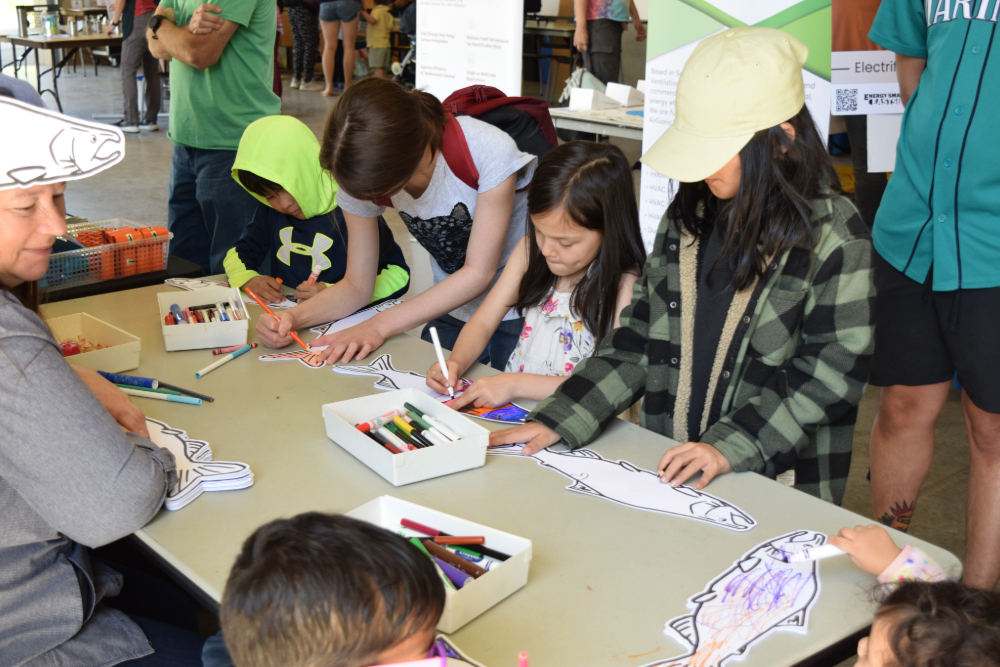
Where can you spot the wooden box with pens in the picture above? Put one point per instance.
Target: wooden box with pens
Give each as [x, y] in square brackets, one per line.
[431, 439]
[209, 318]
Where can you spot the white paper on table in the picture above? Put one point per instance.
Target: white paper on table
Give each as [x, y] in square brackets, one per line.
[389, 378]
[193, 284]
[355, 319]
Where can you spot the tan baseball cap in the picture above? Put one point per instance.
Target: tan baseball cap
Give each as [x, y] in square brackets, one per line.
[734, 84]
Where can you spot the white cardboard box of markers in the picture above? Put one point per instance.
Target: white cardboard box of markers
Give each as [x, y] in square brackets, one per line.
[502, 577]
[196, 336]
[408, 467]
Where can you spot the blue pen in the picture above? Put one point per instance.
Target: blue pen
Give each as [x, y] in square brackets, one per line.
[224, 360]
[176, 310]
[133, 380]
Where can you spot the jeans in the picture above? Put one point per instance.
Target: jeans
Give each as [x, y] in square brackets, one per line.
[207, 210]
[174, 646]
[497, 351]
[215, 653]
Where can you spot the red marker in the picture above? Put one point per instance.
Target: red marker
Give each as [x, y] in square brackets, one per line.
[378, 422]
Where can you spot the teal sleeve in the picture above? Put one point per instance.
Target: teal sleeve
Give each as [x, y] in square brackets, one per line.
[241, 11]
[167, 4]
[901, 27]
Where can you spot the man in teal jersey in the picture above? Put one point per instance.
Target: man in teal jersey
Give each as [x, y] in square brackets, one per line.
[937, 268]
[220, 82]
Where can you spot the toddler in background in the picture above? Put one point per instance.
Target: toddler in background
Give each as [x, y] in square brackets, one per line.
[571, 275]
[926, 620]
[377, 36]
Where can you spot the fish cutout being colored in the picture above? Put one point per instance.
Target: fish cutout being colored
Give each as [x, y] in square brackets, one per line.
[512, 413]
[623, 483]
[355, 319]
[308, 357]
[758, 595]
[196, 471]
[192, 284]
[41, 146]
[390, 379]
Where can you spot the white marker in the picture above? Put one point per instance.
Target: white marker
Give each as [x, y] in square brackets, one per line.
[817, 553]
[439, 425]
[224, 360]
[440, 355]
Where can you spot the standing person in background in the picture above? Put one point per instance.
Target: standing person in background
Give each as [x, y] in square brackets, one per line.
[937, 242]
[332, 16]
[599, 28]
[133, 16]
[220, 82]
[303, 16]
[379, 46]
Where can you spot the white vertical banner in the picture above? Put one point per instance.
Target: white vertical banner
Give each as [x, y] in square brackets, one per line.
[463, 43]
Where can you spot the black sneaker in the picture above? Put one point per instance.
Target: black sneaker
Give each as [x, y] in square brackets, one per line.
[148, 125]
[127, 128]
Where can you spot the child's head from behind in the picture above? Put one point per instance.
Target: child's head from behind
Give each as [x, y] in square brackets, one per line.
[277, 197]
[944, 624]
[321, 590]
[583, 223]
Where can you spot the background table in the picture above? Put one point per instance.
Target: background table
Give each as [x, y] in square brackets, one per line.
[176, 268]
[615, 122]
[604, 578]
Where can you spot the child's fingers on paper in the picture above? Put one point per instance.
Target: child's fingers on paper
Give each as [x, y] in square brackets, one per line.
[670, 454]
[366, 349]
[349, 350]
[545, 437]
[462, 401]
[674, 464]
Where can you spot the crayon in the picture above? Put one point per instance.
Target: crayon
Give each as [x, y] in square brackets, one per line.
[162, 397]
[457, 577]
[415, 542]
[222, 360]
[155, 391]
[203, 397]
[456, 561]
[522, 659]
[271, 313]
[378, 421]
[434, 532]
[131, 380]
[227, 350]
[460, 540]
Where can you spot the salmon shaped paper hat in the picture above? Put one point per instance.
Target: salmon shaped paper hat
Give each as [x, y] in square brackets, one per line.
[38, 146]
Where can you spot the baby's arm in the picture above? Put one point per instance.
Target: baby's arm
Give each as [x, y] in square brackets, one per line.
[873, 550]
[368, 17]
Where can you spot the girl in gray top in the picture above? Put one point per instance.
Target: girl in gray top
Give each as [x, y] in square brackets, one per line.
[75, 471]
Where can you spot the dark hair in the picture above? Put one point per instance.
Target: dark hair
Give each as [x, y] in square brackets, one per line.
[376, 136]
[258, 185]
[771, 212]
[382, 2]
[944, 624]
[324, 589]
[593, 183]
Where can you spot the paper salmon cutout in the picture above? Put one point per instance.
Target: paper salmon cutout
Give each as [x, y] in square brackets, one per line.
[196, 471]
[192, 284]
[758, 595]
[512, 413]
[41, 146]
[308, 357]
[389, 378]
[623, 483]
[356, 318]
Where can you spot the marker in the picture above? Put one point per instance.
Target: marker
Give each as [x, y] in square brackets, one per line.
[279, 281]
[314, 276]
[131, 380]
[466, 566]
[222, 311]
[459, 540]
[176, 310]
[440, 355]
[457, 577]
[271, 313]
[391, 438]
[169, 319]
[227, 350]
[405, 437]
[162, 397]
[434, 532]
[383, 445]
[155, 391]
[434, 422]
[412, 432]
[427, 429]
[455, 547]
[378, 421]
[415, 542]
[816, 553]
[224, 360]
[203, 397]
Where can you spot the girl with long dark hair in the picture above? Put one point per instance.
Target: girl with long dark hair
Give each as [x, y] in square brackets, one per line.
[750, 332]
[570, 276]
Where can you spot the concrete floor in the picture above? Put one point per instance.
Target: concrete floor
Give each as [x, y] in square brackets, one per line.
[137, 190]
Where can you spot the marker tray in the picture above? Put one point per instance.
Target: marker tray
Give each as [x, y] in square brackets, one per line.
[122, 353]
[203, 336]
[465, 604]
[408, 467]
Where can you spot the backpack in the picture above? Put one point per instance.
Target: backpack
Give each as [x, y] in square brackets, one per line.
[525, 119]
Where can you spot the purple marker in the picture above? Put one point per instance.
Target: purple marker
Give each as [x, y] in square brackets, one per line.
[457, 577]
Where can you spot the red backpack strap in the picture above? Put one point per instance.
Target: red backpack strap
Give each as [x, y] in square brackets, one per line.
[383, 202]
[455, 150]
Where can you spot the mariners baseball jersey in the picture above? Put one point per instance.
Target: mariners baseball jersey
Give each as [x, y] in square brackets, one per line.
[942, 205]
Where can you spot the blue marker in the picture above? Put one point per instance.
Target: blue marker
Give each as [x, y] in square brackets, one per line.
[132, 380]
[176, 310]
[222, 311]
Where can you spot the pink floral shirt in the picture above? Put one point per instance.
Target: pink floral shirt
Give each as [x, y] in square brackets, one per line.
[912, 564]
[553, 340]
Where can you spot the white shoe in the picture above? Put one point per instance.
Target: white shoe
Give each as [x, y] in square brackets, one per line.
[147, 125]
[312, 85]
[294, 83]
[127, 128]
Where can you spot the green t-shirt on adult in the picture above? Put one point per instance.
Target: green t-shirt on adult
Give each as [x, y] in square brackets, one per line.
[211, 108]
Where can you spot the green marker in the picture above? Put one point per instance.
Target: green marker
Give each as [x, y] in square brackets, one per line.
[170, 392]
[412, 409]
[415, 542]
[464, 550]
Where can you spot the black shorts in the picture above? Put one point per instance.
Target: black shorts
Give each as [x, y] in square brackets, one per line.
[923, 337]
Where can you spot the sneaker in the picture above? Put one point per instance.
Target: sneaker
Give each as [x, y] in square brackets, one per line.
[294, 83]
[149, 125]
[127, 128]
[312, 85]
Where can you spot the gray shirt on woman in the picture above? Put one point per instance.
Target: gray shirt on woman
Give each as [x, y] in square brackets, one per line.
[70, 478]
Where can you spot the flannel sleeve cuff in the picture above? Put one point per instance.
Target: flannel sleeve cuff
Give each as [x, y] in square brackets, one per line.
[565, 418]
[741, 452]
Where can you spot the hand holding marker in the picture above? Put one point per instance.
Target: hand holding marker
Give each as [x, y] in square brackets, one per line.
[271, 313]
[441, 362]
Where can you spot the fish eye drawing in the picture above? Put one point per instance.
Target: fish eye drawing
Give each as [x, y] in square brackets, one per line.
[623, 483]
[196, 471]
[759, 595]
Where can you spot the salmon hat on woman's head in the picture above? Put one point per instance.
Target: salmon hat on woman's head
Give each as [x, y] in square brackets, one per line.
[735, 84]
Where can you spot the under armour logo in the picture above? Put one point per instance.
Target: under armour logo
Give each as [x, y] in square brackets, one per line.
[320, 245]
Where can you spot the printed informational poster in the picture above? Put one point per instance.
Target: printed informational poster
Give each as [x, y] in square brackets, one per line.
[863, 73]
[676, 27]
[468, 42]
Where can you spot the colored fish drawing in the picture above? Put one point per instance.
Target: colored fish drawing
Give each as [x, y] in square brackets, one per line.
[389, 378]
[49, 147]
[758, 595]
[196, 471]
[623, 483]
[308, 357]
[512, 413]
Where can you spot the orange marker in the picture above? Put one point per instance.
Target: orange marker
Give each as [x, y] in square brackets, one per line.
[271, 313]
[460, 541]
[313, 276]
[278, 280]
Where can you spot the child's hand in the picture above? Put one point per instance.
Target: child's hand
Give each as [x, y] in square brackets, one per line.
[351, 344]
[307, 291]
[491, 391]
[681, 463]
[267, 288]
[274, 332]
[870, 547]
[535, 437]
[436, 381]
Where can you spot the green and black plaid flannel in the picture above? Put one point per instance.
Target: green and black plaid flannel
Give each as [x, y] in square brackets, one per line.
[792, 377]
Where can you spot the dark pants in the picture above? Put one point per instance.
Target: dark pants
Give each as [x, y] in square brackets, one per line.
[604, 50]
[207, 210]
[135, 53]
[868, 188]
[305, 38]
[497, 351]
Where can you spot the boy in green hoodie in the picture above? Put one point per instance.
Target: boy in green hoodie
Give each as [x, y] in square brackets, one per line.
[299, 228]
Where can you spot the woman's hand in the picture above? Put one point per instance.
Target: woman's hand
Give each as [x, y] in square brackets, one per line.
[350, 344]
[680, 463]
[535, 437]
[267, 288]
[274, 332]
[491, 391]
[581, 40]
[640, 31]
[115, 401]
[870, 547]
[436, 381]
[307, 291]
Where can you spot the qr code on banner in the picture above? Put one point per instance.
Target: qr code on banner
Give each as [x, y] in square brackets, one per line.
[847, 99]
